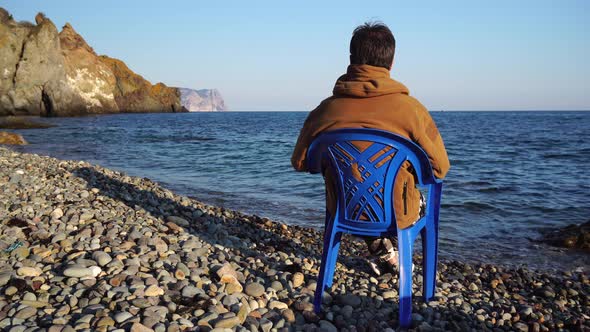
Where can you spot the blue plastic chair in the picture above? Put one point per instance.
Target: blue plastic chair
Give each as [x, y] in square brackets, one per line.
[372, 198]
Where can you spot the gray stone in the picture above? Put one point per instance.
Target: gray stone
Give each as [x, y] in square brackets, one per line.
[190, 291]
[521, 327]
[265, 325]
[276, 285]
[178, 220]
[25, 313]
[389, 294]
[80, 272]
[254, 289]
[227, 322]
[101, 257]
[5, 278]
[526, 310]
[277, 305]
[326, 326]
[57, 213]
[349, 299]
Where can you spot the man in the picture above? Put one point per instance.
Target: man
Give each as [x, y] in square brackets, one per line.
[366, 97]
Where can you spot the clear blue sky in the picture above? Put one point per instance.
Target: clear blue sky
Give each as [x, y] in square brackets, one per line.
[286, 55]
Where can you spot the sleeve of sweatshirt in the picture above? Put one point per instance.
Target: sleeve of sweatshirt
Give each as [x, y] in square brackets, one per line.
[303, 141]
[428, 137]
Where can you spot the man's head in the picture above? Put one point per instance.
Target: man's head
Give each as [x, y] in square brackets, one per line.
[372, 44]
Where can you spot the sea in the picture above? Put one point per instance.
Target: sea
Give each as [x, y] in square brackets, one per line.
[514, 175]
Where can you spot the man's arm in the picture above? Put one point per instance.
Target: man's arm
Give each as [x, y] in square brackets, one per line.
[429, 139]
[303, 141]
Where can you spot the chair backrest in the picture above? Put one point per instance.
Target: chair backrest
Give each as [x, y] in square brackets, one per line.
[365, 178]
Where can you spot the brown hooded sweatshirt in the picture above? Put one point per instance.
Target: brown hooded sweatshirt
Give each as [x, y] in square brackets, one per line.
[366, 97]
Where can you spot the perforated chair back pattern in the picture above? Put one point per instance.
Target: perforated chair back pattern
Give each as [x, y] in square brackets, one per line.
[364, 190]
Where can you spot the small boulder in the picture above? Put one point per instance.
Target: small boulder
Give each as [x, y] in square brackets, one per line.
[227, 273]
[178, 221]
[17, 122]
[298, 279]
[27, 271]
[12, 139]
[254, 289]
[154, 290]
[572, 236]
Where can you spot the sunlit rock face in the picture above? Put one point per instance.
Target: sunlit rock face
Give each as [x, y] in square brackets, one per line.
[50, 73]
[86, 75]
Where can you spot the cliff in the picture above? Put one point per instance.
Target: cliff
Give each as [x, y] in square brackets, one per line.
[50, 73]
[205, 100]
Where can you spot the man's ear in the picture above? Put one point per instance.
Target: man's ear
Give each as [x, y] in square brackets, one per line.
[391, 66]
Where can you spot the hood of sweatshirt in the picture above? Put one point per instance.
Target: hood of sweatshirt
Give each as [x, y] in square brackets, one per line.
[367, 81]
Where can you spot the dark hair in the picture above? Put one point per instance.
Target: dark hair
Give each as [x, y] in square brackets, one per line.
[372, 44]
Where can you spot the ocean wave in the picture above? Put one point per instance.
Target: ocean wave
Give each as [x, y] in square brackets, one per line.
[470, 206]
[498, 189]
[562, 156]
[173, 139]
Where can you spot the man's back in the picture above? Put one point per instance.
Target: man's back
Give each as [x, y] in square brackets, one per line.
[366, 97]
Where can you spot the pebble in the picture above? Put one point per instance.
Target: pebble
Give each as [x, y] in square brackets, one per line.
[81, 272]
[289, 315]
[105, 321]
[153, 290]
[254, 289]
[298, 279]
[265, 325]
[277, 305]
[349, 299]
[5, 278]
[21, 253]
[326, 326]
[390, 294]
[276, 285]
[26, 313]
[178, 221]
[526, 310]
[101, 257]
[108, 252]
[190, 291]
[27, 271]
[57, 213]
[521, 327]
[227, 322]
[120, 317]
[137, 327]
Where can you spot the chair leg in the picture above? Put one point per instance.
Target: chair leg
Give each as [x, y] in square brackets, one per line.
[333, 258]
[429, 249]
[405, 278]
[322, 281]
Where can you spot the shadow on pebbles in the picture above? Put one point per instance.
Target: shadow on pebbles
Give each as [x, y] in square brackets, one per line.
[84, 248]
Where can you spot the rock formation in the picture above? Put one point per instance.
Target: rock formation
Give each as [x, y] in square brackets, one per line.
[134, 94]
[11, 138]
[205, 100]
[47, 73]
[572, 236]
[22, 122]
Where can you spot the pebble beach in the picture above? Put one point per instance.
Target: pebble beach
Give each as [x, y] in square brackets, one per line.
[85, 248]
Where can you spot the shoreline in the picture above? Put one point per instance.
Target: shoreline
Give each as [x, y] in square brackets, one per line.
[102, 250]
